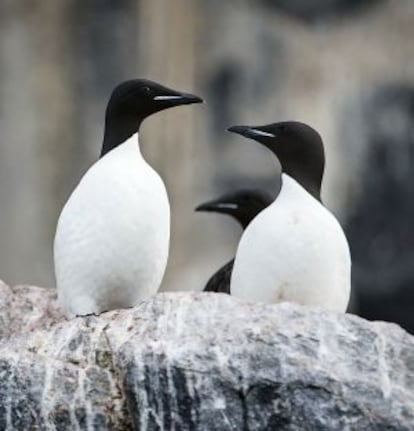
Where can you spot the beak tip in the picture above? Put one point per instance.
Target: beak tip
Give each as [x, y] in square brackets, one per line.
[194, 99]
[205, 207]
[241, 130]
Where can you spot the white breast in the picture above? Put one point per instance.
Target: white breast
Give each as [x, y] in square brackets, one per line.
[112, 237]
[295, 251]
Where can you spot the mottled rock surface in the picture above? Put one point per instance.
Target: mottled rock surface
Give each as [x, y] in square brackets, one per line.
[25, 308]
[188, 361]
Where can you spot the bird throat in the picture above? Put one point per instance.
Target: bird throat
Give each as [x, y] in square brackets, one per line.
[118, 129]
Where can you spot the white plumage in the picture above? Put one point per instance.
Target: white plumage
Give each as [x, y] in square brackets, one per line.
[294, 251]
[112, 239]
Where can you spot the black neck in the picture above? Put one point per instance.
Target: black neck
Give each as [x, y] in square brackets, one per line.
[307, 174]
[244, 219]
[118, 128]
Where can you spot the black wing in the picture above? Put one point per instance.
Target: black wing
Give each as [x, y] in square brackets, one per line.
[220, 281]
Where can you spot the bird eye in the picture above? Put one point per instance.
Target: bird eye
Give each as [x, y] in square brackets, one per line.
[145, 90]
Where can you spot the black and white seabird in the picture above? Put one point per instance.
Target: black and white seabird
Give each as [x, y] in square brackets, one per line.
[294, 250]
[112, 237]
[243, 205]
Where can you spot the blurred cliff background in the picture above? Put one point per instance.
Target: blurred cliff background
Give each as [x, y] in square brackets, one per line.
[344, 66]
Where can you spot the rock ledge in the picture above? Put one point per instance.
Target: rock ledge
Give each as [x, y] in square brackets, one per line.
[189, 361]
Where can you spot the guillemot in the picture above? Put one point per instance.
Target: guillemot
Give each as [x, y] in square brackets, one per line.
[243, 205]
[295, 250]
[112, 236]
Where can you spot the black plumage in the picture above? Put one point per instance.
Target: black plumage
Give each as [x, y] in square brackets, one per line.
[220, 281]
[242, 205]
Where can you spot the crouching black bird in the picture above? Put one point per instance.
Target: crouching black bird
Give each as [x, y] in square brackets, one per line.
[243, 205]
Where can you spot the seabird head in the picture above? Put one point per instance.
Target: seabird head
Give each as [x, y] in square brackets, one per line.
[134, 100]
[298, 147]
[243, 204]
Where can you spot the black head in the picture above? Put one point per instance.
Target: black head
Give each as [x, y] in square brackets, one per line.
[133, 101]
[298, 147]
[243, 205]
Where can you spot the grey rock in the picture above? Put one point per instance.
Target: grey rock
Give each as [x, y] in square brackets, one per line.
[204, 361]
[26, 308]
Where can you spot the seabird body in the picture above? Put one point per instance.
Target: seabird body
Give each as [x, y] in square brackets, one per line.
[294, 250]
[243, 206]
[112, 237]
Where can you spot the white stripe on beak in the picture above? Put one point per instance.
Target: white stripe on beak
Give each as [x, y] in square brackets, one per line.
[261, 133]
[167, 97]
[229, 206]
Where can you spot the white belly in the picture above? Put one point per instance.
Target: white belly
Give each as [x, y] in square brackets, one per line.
[294, 251]
[112, 239]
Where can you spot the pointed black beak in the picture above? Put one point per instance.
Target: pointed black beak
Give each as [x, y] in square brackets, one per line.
[216, 206]
[250, 132]
[174, 98]
[240, 130]
[206, 207]
[189, 99]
